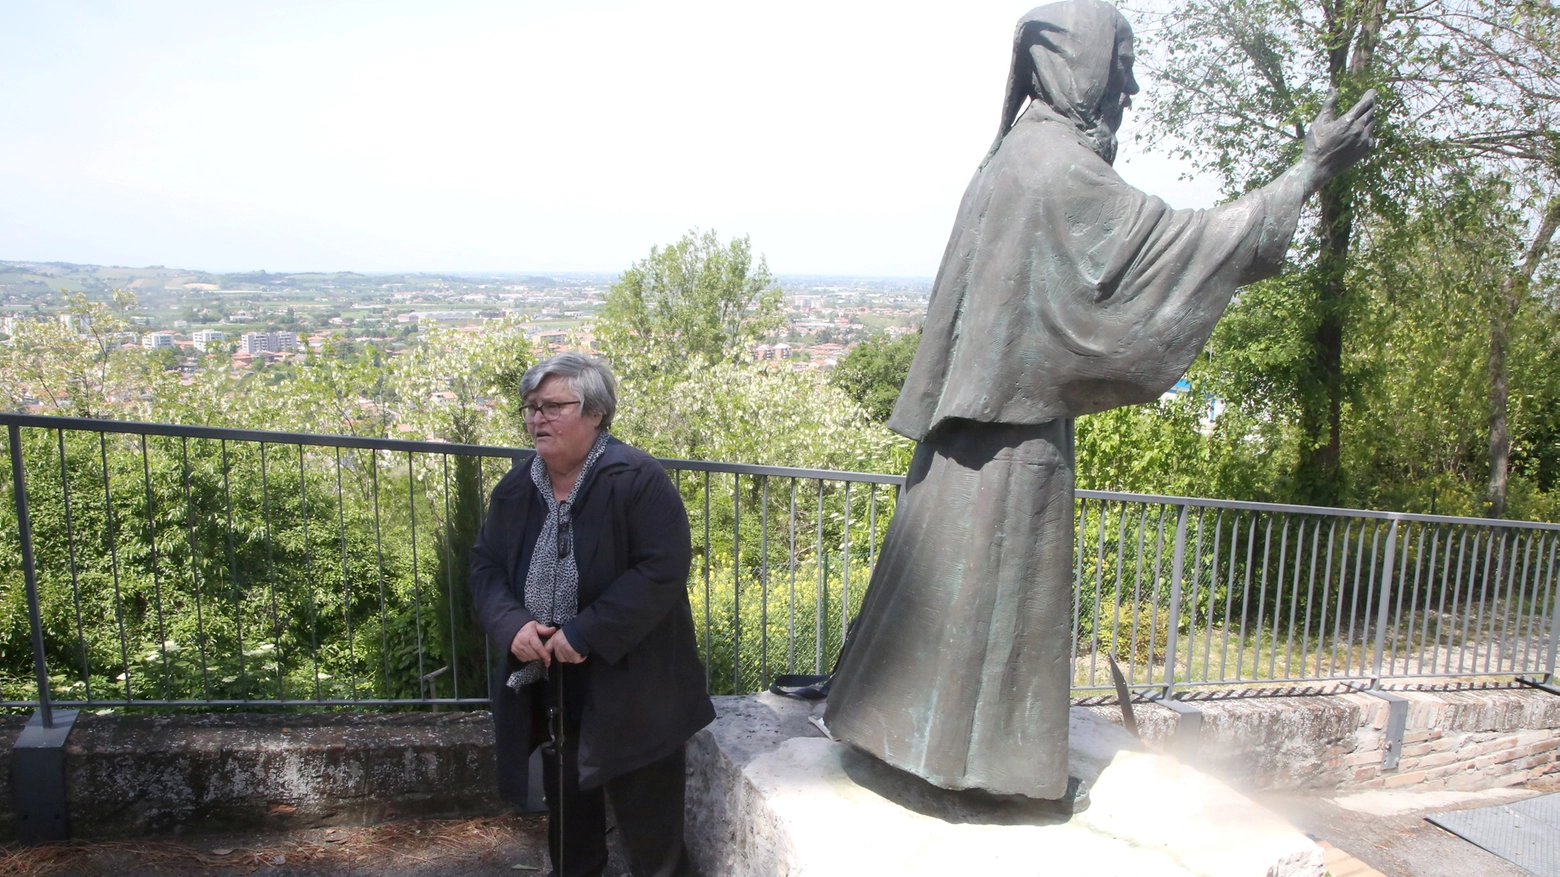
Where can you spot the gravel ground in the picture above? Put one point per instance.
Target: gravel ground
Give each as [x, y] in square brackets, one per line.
[1385, 830]
[489, 847]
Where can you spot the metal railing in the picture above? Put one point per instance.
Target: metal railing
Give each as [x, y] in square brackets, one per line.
[170, 565]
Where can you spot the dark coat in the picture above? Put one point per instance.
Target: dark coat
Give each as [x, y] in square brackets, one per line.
[644, 692]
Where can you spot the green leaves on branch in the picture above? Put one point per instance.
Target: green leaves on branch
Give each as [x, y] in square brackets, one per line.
[694, 298]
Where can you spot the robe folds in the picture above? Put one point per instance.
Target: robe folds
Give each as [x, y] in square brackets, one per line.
[1063, 291]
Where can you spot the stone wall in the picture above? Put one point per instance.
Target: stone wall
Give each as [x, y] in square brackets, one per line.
[170, 774]
[139, 774]
[1464, 739]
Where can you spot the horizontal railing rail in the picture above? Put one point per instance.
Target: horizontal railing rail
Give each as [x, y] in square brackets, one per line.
[192, 566]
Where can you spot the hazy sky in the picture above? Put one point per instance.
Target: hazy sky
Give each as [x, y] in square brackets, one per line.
[469, 136]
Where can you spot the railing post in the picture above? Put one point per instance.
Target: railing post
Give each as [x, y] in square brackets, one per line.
[30, 574]
[1177, 569]
[1384, 597]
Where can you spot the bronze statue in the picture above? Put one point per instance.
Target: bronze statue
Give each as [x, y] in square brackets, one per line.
[1063, 291]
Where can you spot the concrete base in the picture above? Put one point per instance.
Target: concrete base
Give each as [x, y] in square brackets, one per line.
[770, 795]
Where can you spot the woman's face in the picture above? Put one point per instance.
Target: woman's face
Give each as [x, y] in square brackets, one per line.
[562, 441]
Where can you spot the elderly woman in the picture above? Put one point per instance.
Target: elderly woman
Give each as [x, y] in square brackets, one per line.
[581, 572]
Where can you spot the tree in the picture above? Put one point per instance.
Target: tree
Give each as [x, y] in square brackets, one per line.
[1460, 80]
[694, 298]
[873, 372]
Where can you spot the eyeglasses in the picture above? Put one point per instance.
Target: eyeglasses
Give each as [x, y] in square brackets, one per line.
[546, 410]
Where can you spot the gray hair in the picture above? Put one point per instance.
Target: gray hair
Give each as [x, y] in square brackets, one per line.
[586, 375]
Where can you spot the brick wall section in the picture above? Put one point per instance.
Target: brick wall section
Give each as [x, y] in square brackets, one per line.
[1459, 740]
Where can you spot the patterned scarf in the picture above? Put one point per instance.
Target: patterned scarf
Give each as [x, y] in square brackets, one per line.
[552, 585]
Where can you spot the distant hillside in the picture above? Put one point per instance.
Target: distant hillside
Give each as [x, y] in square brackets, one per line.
[26, 282]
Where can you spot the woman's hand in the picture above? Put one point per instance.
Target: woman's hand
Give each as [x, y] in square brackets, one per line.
[529, 643]
[559, 646]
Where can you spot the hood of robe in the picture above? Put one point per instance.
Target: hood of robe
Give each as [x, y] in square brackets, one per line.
[1063, 54]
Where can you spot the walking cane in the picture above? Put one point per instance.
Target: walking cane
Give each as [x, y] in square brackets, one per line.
[556, 732]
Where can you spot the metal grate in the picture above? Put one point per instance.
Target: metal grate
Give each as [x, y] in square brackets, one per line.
[1526, 833]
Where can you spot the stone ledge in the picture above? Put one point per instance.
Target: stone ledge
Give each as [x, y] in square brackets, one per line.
[177, 773]
[769, 795]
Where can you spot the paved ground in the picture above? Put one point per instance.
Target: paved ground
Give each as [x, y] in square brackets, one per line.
[1387, 832]
[1381, 832]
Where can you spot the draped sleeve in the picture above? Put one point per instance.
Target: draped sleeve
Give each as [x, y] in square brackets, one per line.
[1065, 291]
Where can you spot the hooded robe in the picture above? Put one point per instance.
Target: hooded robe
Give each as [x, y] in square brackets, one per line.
[1063, 291]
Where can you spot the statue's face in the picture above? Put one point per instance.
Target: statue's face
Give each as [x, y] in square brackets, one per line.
[1123, 85]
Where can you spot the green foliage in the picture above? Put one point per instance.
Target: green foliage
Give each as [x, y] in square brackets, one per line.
[694, 298]
[873, 372]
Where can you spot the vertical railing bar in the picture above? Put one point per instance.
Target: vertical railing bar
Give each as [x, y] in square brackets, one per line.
[346, 582]
[1343, 578]
[1540, 607]
[1245, 598]
[709, 656]
[237, 585]
[1498, 643]
[763, 578]
[1229, 597]
[30, 575]
[1103, 512]
[189, 521]
[871, 526]
[75, 577]
[1137, 594]
[736, 583]
[1512, 629]
[308, 571]
[379, 551]
[1278, 605]
[1397, 623]
[1462, 554]
[1173, 623]
[1428, 585]
[482, 510]
[449, 577]
[1294, 599]
[1383, 598]
[411, 508]
[151, 524]
[1080, 533]
[819, 603]
[270, 571]
[790, 625]
[1354, 597]
[1496, 545]
[1477, 616]
[1554, 608]
[845, 572]
[1256, 629]
[1191, 625]
[1413, 598]
[1213, 591]
[1310, 596]
[110, 519]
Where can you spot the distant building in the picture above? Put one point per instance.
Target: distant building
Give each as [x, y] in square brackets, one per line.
[157, 340]
[255, 343]
[79, 323]
[206, 339]
[181, 324]
[782, 350]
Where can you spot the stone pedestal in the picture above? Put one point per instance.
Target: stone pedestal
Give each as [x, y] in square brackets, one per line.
[769, 794]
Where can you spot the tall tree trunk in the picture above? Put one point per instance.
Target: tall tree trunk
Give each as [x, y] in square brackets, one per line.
[1321, 390]
[1513, 290]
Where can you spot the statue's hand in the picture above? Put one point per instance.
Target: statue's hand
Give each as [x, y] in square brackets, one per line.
[1334, 144]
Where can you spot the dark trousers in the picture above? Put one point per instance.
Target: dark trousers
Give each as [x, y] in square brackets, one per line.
[648, 803]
